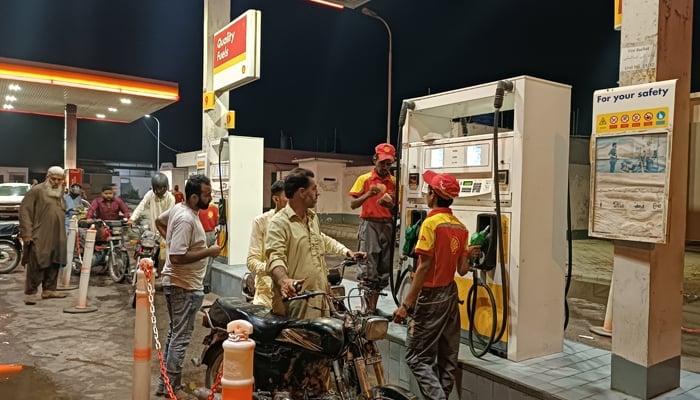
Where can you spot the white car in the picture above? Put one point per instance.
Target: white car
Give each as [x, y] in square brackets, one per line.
[11, 195]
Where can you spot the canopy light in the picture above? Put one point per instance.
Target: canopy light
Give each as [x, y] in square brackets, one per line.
[86, 81]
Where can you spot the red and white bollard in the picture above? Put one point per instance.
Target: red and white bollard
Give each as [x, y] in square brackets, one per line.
[143, 333]
[237, 380]
[82, 306]
[64, 279]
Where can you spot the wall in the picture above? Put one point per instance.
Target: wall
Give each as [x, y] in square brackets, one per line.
[14, 175]
[693, 216]
[335, 180]
[329, 178]
[579, 185]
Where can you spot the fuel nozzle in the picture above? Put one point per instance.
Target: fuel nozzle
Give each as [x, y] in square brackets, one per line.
[501, 88]
[481, 239]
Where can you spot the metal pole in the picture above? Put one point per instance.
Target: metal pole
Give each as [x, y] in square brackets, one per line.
[373, 14]
[388, 96]
[157, 144]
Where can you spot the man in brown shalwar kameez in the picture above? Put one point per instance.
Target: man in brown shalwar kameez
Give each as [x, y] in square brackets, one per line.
[42, 229]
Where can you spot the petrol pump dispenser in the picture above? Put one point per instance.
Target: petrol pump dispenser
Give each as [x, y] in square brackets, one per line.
[454, 132]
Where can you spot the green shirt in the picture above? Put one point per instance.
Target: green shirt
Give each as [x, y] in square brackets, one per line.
[300, 249]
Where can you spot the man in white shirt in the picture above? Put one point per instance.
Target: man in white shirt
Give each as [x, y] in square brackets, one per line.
[154, 203]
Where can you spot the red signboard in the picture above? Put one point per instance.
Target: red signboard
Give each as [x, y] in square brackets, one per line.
[74, 176]
[230, 45]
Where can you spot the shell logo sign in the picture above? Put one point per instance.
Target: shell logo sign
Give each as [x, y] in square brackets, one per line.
[236, 55]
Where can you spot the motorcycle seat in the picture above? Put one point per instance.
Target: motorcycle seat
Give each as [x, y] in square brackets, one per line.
[266, 325]
[8, 228]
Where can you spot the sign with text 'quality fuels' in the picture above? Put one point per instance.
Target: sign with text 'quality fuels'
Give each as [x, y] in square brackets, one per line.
[237, 52]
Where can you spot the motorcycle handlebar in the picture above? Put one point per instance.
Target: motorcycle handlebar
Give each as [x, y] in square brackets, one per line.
[348, 262]
[304, 295]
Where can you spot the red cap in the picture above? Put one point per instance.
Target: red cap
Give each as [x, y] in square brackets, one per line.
[445, 185]
[385, 151]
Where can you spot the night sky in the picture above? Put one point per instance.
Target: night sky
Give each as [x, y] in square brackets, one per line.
[324, 71]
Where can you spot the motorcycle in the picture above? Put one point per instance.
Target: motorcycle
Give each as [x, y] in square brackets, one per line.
[110, 254]
[145, 248]
[292, 355]
[10, 247]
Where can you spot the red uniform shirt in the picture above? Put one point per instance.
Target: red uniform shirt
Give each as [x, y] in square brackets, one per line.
[370, 208]
[209, 217]
[443, 237]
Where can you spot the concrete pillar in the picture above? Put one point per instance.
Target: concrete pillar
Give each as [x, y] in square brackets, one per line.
[70, 136]
[648, 279]
[217, 13]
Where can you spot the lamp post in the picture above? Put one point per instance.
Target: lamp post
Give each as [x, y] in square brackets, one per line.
[374, 15]
[158, 139]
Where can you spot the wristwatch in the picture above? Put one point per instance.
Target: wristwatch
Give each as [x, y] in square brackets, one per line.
[407, 308]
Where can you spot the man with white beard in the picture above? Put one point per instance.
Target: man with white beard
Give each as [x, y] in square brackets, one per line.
[43, 232]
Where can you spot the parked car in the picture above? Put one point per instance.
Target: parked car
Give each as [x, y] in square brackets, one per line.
[11, 195]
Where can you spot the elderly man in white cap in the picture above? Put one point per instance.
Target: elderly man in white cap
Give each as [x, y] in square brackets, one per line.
[42, 228]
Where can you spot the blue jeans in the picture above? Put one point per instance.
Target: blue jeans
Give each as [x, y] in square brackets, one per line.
[182, 309]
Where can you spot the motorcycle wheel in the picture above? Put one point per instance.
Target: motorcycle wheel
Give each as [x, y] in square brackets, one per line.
[213, 369]
[9, 256]
[118, 266]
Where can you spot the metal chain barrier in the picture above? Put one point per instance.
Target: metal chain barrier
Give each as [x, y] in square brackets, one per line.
[156, 341]
[217, 384]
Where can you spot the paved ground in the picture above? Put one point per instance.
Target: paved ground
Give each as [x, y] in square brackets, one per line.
[591, 273]
[88, 356]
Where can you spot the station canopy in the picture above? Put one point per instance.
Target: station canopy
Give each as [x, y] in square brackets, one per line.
[45, 89]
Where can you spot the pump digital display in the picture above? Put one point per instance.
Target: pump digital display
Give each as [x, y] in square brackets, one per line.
[477, 155]
[467, 186]
[437, 158]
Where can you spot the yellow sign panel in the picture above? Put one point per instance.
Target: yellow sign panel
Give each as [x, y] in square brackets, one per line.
[230, 120]
[483, 318]
[618, 15]
[632, 120]
[208, 101]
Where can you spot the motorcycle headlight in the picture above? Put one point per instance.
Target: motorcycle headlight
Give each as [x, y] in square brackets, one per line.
[375, 328]
[148, 243]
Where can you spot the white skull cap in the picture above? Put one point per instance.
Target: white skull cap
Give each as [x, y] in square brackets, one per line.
[55, 170]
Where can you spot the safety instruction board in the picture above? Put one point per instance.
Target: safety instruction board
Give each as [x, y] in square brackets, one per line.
[630, 162]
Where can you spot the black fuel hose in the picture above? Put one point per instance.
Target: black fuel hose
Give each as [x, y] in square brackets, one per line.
[407, 105]
[569, 246]
[501, 88]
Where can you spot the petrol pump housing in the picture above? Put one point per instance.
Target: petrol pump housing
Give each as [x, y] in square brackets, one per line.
[451, 132]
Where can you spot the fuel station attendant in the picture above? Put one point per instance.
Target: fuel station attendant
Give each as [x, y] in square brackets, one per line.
[374, 192]
[432, 339]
